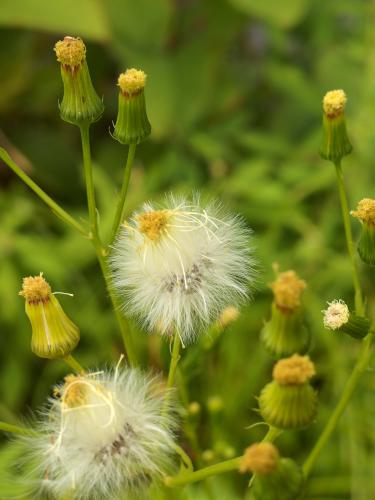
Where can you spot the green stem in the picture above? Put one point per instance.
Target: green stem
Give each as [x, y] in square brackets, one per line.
[16, 429]
[359, 306]
[73, 363]
[60, 212]
[100, 251]
[359, 368]
[219, 468]
[175, 357]
[124, 190]
[212, 470]
[90, 191]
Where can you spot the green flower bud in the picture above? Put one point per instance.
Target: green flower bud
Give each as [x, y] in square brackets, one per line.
[289, 401]
[275, 478]
[285, 333]
[335, 143]
[132, 125]
[54, 335]
[80, 105]
[365, 213]
[338, 318]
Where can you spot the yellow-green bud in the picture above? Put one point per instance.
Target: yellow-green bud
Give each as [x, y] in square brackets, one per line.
[286, 333]
[80, 105]
[335, 143]
[275, 478]
[215, 404]
[54, 335]
[365, 213]
[132, 125]
[289, 401]
[337, 317]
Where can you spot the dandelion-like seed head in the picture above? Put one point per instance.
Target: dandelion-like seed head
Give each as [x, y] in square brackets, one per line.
[287, 289]
[132, 80]
[336, 315]
[70, 51]
[296, 370]
[365, 211]
[104, 433]
[334, 103]
[260, 458]
[177, 267]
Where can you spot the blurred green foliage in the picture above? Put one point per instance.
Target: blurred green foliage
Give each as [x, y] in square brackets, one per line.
[234, 97]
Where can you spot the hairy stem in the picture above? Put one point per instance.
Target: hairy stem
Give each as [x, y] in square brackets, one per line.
[359, 368]
[124, 190]
[359, 306]
[60, 212]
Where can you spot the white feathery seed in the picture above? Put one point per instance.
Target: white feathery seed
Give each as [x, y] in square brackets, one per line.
[336, 315]
[104, 434]
[178, 266]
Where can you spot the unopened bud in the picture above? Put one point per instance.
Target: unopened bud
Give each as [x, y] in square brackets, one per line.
[132, 125]
[54, 335]
[80, 104]
[337, 317]
[365, 213]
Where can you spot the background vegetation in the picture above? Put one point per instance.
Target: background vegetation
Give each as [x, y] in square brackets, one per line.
[234, 97]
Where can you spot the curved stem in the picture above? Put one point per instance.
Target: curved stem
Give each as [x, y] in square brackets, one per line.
[349, 389]
[359, 306]
[16, 429]
[60, 212]
[74, 364]
[175, 357]
[198, 475]
[124, 190]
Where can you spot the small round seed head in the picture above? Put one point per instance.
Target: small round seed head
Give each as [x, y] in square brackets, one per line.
[365, 211]
[132, 80]
[296, 370]
[35, 289]
[260, 458]
[336, 315]
[70, 51]
[228, 316]
[334, 103]
[287, 289]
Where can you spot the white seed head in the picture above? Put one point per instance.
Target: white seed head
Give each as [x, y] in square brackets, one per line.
[103, 434]
[178, 267]
[336, 315]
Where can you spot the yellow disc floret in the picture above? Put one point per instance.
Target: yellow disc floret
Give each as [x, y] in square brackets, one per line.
[296, 370]
[70, 51]
[132, 81]
[287, 289]
[260, 458]
[365, 211]
[74, 391]
[334, 103]
[35, 289]
[153, 224]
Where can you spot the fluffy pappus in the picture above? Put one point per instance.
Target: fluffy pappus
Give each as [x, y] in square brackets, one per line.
[104, 434]
[176, 267]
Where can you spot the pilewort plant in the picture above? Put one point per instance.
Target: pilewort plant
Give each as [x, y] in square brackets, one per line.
[183, 269]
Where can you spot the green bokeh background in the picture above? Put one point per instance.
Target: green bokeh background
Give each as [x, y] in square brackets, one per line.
[234, 97]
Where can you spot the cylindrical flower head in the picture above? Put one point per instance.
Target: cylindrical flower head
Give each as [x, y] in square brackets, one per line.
[132, 125]
[286, 333]
[289, 401]
[178, 267]
[365, 213]
[337, 317]
[275, 478]
[103, 434]
[335, 142]
[80, 105]
[54, 335]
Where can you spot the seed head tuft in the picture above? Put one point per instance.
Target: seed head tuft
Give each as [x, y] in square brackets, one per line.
[334, 103]
[35, 289]
[287, 289]
[365, 211]
[296, 370]
[336, 315]
[260, 458]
